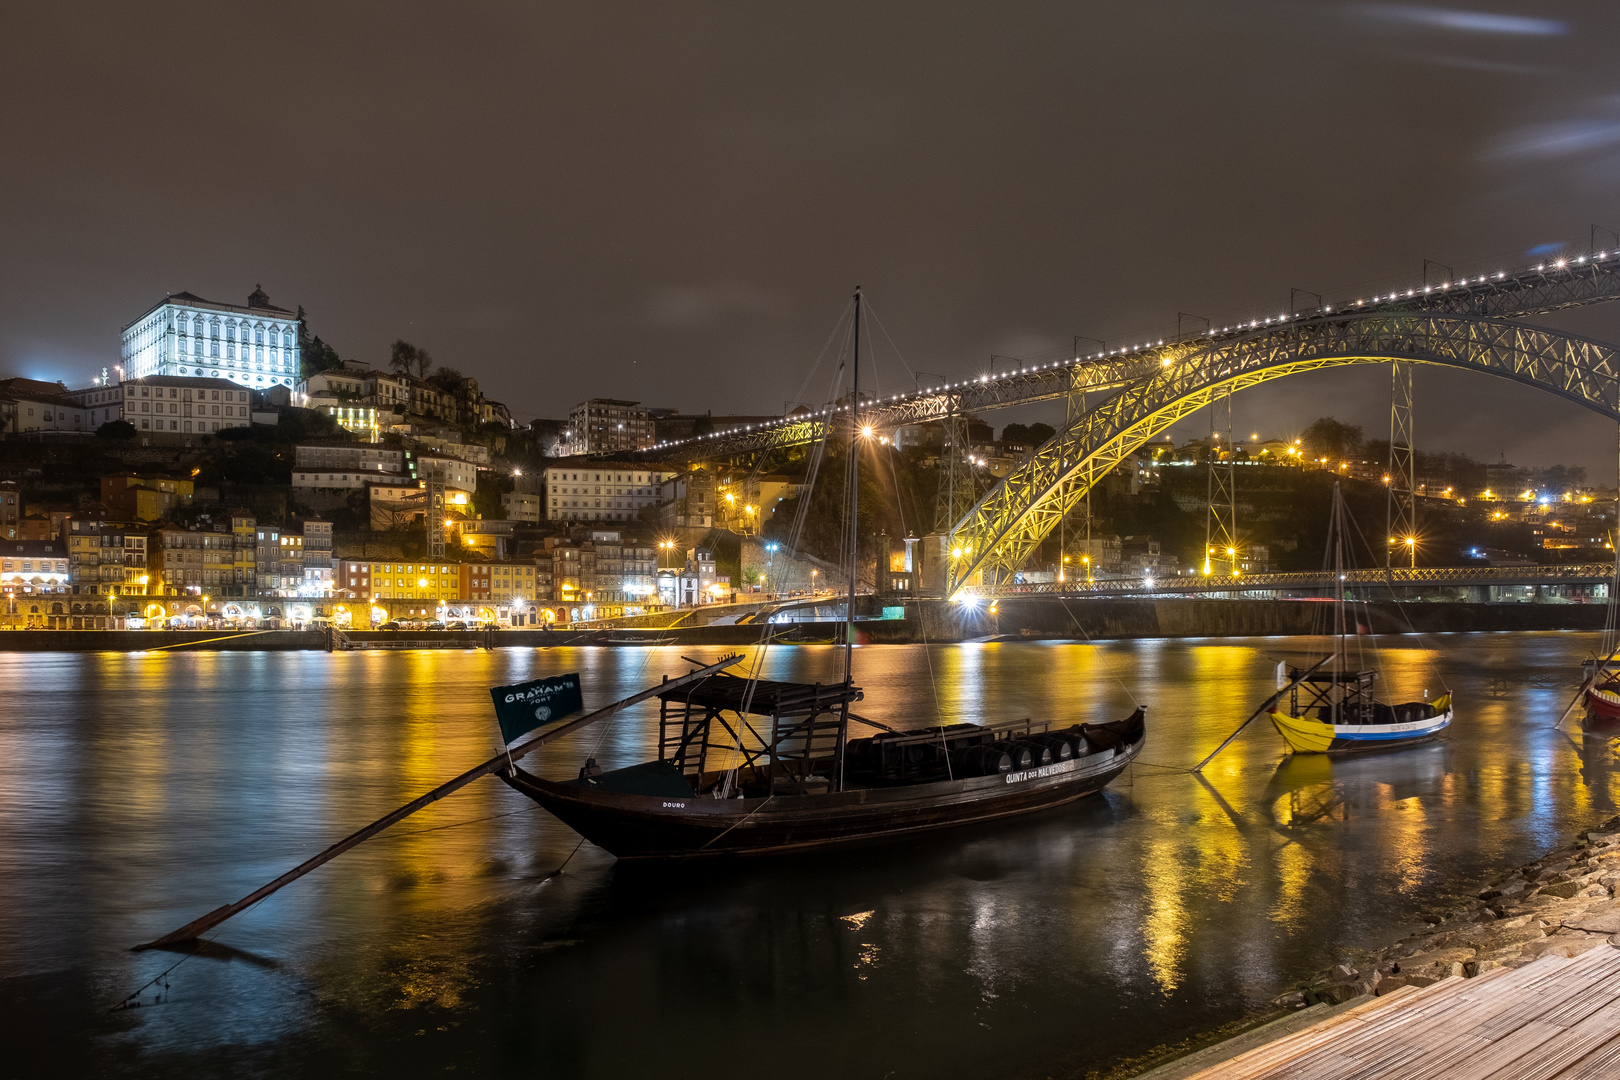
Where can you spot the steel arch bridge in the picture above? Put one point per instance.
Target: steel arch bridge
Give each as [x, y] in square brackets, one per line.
[1547, 286]
[1003, 530]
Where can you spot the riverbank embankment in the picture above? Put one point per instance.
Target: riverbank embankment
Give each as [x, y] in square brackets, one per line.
[924, 622]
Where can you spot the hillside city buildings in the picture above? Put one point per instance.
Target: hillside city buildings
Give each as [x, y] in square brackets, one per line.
[378, 495]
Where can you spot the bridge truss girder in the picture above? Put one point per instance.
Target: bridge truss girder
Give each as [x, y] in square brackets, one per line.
[1534, 290]
[1009, 523]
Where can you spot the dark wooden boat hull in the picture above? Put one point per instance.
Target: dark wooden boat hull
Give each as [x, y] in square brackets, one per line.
[658, 827]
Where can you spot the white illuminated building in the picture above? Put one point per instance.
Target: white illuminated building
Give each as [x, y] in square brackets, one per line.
[255, 345]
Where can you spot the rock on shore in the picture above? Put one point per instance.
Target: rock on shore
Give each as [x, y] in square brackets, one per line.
[1564, 903]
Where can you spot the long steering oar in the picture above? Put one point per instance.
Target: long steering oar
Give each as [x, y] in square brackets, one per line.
[499, 763]
[1270, 701]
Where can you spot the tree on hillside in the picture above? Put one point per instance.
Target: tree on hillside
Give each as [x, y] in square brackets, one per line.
[316, 356]
[1330, 438]
[1031, 435]
[407, 359]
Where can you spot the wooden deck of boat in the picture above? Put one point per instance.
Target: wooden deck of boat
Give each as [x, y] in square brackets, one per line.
[1556, 1017]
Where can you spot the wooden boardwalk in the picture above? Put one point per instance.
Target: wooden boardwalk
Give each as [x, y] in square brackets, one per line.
[1556, 1017]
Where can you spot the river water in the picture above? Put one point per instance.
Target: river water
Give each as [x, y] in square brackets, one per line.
[138, 791]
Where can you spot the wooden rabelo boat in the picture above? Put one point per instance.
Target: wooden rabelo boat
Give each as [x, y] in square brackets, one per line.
[1332, 710]
[792, 779]
[748, 766]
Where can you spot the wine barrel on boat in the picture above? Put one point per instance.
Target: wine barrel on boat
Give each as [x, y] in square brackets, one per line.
[982, 761]
[1061, 749]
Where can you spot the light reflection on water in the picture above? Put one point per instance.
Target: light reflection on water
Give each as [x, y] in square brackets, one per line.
[138, 791]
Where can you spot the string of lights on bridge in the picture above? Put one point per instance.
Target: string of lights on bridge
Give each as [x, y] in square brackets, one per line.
[1239, 327]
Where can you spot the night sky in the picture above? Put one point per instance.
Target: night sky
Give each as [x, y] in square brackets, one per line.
[671, 202]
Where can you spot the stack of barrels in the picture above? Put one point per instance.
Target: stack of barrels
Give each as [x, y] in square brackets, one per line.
[970, 750]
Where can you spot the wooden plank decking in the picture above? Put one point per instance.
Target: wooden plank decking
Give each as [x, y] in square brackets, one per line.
[1555, 1018]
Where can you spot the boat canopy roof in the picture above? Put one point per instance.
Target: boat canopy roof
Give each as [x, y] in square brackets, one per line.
[1339, 676]
[767, 698]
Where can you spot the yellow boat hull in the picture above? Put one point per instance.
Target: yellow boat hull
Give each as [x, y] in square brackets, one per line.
[1305, 735]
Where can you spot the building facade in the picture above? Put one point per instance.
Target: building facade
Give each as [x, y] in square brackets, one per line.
[608, 426]
[34, 583]
[181, 405]
[314, 546]
[254, 345]
[349, 457]
[450, 472]
[29, 406]
[580, 489]
[10, 509]
[521, 506]
[690, 500]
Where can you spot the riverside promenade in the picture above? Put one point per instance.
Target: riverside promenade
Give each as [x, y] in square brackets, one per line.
[1556, 1017]
[1520, 981]
[924, 622]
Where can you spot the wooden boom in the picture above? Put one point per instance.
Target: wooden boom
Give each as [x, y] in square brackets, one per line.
[1270, 701]
[198, 927]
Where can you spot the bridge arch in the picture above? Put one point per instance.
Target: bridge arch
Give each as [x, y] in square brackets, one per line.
[1004, 528]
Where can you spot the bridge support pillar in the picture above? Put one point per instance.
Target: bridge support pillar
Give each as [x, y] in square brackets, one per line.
[1402, 480]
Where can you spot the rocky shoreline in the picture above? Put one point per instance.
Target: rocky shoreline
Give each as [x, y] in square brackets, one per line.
[1563, 903]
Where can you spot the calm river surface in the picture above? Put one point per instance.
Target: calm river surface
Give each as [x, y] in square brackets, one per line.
[138, 791]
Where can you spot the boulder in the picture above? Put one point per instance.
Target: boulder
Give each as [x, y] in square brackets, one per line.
[1564, 944]
[1337, 993]
[1598, 919]
[1507, 937]
[1437, 962]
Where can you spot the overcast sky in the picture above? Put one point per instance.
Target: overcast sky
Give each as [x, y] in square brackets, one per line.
[671, 202]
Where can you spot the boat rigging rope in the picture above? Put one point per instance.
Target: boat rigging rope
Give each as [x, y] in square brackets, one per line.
[922, 626]
[1109, 667]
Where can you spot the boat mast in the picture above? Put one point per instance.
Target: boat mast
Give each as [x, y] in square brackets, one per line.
[1338, 603]
[1611, 625]
[854, 491]
[854, 474]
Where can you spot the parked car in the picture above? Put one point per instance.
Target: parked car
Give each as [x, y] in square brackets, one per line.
[455, 624]
[433, 624]
[391, 624]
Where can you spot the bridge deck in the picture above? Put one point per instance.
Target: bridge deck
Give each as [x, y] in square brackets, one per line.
[1555, 1018]
[1397, 577]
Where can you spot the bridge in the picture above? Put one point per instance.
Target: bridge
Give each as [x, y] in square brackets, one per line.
[1313, 581]
[1469, 322]
[1539, 289]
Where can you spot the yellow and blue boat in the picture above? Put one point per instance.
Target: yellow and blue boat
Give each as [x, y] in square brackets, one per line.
[1335, 713]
